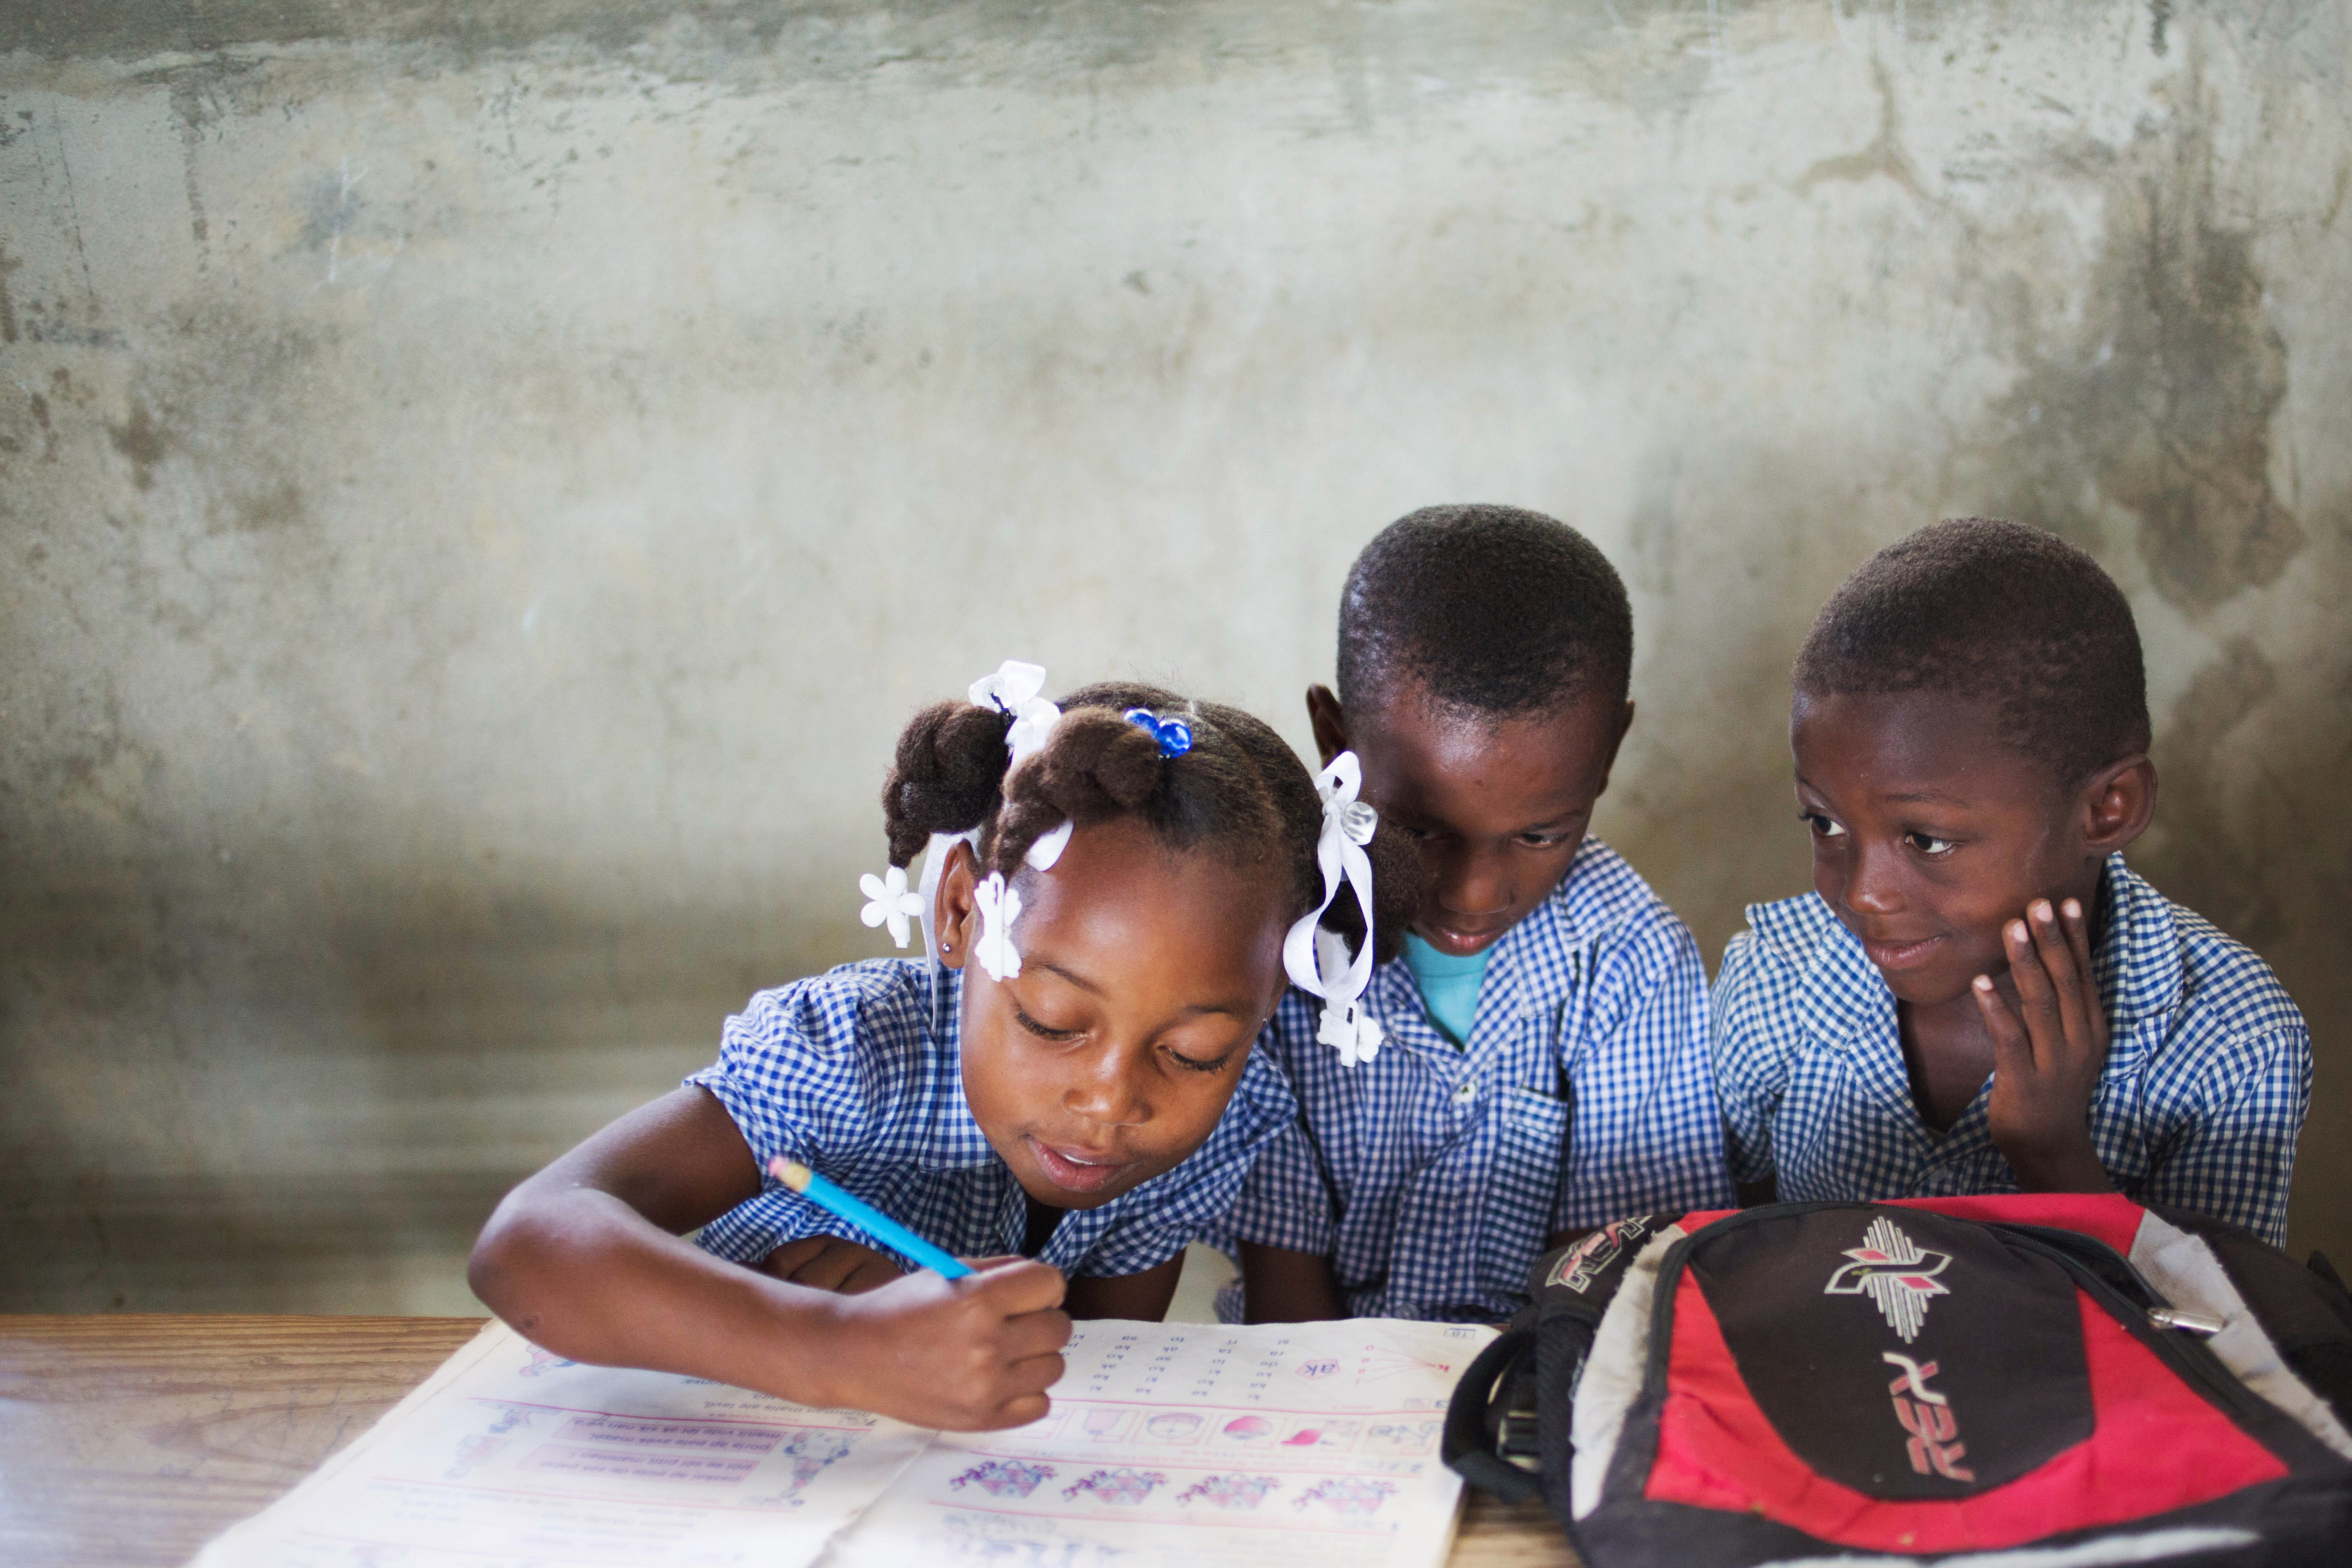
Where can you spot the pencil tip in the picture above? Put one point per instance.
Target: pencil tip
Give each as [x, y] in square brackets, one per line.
[791, 1173]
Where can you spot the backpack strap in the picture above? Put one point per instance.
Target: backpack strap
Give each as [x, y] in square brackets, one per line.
[1495, 1395]
[1508, 1425]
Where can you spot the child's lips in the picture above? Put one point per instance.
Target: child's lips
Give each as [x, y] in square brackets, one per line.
[1900, 955]
[1077, 1169]
[1460, 944]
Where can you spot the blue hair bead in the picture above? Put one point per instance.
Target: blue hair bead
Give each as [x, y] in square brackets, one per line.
[1174, 736]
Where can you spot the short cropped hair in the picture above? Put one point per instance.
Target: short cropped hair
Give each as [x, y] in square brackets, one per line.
[1492, 609]
[1997, 612]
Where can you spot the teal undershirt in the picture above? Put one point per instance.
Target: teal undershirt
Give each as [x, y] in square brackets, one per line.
[1449, 985]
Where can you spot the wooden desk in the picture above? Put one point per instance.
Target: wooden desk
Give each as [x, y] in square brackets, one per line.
[129, 1441]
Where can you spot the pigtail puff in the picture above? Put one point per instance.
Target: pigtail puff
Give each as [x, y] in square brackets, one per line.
[946, 777]
[1096, 767]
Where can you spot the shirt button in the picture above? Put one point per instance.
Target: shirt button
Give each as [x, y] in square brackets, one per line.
[1466, 1091]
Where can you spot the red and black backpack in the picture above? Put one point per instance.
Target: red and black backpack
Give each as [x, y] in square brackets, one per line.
[1925, 1380]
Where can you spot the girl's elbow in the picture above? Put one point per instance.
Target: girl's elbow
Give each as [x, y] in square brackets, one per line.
[499, 1267]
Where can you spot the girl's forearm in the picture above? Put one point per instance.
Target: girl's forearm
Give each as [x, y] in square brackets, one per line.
[579, 1273]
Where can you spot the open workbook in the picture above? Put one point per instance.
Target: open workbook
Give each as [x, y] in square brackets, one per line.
[1302, 1444]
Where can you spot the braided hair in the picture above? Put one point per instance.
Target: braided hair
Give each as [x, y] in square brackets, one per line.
[1239, 792]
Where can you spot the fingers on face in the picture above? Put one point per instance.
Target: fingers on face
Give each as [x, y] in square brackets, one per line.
[2055, 943]
[2078, 933]
[2037, 996]
[2012, 1052]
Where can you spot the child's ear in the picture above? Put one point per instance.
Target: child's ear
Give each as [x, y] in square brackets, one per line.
[1329, 723]
[2117, 804]
[954, 911]
[1624, 724]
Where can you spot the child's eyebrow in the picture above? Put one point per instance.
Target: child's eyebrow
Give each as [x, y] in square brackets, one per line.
[1229, 1010]
[1917, 797]
[1232, 1009]
[1071, 975]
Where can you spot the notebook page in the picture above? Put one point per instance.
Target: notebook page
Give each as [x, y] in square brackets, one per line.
[510, 1455]
[1180, 1444]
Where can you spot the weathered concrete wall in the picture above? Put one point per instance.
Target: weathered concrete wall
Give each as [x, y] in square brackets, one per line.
[477, 496]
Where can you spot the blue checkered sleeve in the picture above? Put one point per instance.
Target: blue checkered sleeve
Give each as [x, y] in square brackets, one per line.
[1752, 1066]
[1646, 1135]
[789, 1089]
[2235, 1159]
[790, 1074]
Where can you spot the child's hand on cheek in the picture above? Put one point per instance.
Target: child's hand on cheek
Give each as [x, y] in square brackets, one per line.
[2045, 1069]
[972, 1354]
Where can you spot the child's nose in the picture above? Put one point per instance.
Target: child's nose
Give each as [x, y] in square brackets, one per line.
[1108, 1092]
[1876, 883]
[1474, 882]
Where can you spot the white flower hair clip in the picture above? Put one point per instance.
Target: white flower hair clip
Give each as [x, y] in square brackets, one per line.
[890, 902]
[1000, 906]
[1317, 960]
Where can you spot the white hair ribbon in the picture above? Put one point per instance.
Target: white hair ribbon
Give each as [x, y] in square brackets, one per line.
[935, 866]
[1015, 689]
[1000, 906]
[1317, 959]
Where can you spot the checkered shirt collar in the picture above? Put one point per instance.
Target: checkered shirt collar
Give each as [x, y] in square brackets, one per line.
[1570, 916]
[1846, 1001]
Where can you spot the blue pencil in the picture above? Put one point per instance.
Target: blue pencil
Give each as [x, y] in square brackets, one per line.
[871, 1220]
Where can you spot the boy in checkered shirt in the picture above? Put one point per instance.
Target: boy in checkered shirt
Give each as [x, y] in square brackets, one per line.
[1542, 1064]
[1979, 995]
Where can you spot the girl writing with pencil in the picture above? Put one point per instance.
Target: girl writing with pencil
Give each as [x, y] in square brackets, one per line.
[1113, 891]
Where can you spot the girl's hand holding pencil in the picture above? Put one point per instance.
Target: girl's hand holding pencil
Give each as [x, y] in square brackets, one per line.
[961, 1346]
[971, 1355]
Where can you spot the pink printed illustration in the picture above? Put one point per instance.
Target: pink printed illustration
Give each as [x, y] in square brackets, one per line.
[1317, 1434]
[1230, 1491]
[544, 1361]
[1173, 1426]
[1246, 1430]
[1104, 1425]
[1347, 1495]
[1005, 1478]
[1122, 1486]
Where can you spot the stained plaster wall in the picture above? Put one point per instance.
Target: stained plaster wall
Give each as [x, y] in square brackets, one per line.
[480, 486]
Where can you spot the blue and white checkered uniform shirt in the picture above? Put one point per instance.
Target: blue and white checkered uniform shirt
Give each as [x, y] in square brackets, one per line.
[855, 1073]
[2208, 1075]
[1433, 1174]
